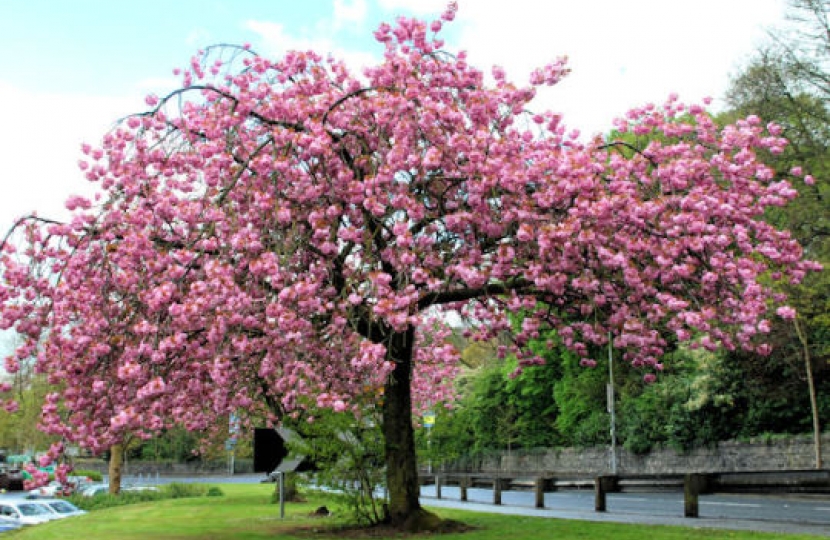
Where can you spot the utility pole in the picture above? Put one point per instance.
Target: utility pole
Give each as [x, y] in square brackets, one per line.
[610, 397]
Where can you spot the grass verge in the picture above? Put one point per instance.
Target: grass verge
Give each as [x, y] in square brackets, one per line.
[246, 513]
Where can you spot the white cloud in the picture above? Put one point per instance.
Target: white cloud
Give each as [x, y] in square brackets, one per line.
[277, 41]
[40, 144]
[421, 7]
[622, 54]
[158, 85]
[349, 12]
[275, 38]
[198, 37]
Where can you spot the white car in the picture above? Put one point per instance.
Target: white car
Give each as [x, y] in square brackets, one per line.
[25, 512]
[99, 489]
[94, 489]
[60, 507]
[49, 490]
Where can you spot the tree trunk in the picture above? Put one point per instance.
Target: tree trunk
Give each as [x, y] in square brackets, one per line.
[811, 386]
[116, 461]
[401, 462]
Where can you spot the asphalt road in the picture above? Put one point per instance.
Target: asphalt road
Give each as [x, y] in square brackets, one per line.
[774, 513]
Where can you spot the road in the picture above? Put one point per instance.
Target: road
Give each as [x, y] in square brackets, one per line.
[774, 513]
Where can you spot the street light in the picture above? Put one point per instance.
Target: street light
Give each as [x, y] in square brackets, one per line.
[610, 398]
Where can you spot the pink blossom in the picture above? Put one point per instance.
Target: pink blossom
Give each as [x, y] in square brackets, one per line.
[76, 202]
[786, 312]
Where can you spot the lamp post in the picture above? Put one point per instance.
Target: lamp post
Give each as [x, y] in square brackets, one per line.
[429, 421]
[610, 397]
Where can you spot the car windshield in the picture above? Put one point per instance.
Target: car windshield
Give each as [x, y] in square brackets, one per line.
[63, 507]
[32, 510]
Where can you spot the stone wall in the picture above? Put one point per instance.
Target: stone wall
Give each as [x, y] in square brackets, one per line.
[152, 468]
[754, 455]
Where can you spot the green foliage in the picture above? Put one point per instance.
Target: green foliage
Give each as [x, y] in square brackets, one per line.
[169, 491]
[175, 444]
[178, 490]
[581, 395]
[348, 452]
[699, 399]
[95, 476]
[786, 83]
[478, 354]
[18, 431]
[499, 410]
[450, 439]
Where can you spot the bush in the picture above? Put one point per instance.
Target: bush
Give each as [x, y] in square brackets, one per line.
[99, 502]
[95, 476]
[348, 453]
[169, 491]
[177, 490]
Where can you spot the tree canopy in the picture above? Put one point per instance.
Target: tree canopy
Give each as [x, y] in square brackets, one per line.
[277, 232]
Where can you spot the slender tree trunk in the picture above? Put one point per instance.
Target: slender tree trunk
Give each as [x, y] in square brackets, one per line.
[116, 461]
[401, 461]
[811, 385]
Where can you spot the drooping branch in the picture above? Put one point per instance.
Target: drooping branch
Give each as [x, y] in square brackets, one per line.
[293, 126]
[20, 221]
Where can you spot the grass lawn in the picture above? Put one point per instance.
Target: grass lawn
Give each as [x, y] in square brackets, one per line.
[245, 512]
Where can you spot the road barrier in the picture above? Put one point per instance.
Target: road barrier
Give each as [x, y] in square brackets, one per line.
[693, 485]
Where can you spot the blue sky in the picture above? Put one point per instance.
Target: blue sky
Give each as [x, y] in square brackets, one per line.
[72, 67]
[111, 47]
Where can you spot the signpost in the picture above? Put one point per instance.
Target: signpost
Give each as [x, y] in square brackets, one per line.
[611, 411]
[230, 443]
[429, 421]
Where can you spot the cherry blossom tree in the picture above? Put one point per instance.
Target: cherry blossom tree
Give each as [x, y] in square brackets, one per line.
[277, 232]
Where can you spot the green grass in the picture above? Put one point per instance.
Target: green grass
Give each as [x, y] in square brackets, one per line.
[245, 512]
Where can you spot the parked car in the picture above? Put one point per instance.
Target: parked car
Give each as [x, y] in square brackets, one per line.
[94, 489]
[11, 479]
[61, 508]
[98, 489]
[24, 512]
[52, 489]
[139, 488]
[8, 525]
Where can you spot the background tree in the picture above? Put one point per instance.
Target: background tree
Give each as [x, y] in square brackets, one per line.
[788, 82]
[19, 433]
[279, 231]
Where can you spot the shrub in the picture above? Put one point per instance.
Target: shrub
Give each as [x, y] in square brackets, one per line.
[95, 476]
[177, 490]
[169, 491]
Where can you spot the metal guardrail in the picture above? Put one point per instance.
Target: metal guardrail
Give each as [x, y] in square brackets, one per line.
[693, 485]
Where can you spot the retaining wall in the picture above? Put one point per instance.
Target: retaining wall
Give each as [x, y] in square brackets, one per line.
[151, 468]
[754, 455]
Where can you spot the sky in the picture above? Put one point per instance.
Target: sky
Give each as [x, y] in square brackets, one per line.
[70, 69]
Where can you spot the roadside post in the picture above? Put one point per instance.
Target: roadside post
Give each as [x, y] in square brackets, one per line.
[282, 495]
[429, 421]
